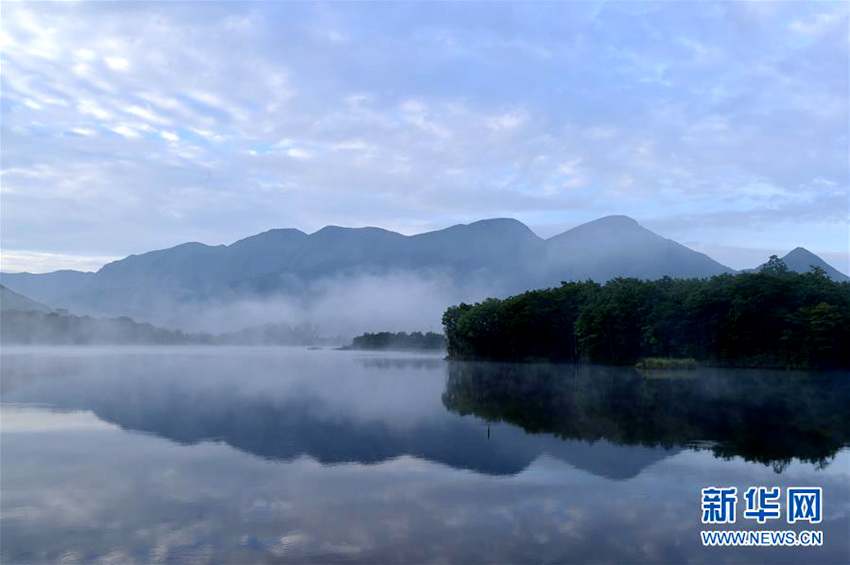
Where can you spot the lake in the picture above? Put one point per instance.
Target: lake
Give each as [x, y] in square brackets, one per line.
[293, 455]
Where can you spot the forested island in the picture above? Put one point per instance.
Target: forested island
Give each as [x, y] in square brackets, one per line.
[770, 318]
[399, 341]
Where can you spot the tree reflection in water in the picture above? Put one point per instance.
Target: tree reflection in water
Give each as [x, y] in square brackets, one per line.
[771, 417]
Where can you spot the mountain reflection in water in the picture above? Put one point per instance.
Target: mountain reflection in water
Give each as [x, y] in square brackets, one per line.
[250, 455]
[610, 421]
[334, 411]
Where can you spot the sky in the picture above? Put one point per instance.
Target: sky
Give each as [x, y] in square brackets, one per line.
[134, 126]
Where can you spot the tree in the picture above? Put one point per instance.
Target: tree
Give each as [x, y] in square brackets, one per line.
[774, 266]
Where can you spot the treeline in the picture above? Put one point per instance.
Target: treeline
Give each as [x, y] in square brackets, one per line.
[30, 328]
[770, 318]
[400, 340]
[55, 328]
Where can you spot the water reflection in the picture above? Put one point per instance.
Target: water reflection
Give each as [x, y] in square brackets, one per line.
[767, 416]
[309, 456]
[338, 408]
[332, 407]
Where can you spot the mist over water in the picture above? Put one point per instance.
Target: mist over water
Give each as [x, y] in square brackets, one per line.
[343, 305]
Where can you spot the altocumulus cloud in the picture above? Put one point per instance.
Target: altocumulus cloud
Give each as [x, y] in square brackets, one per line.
[133, 126]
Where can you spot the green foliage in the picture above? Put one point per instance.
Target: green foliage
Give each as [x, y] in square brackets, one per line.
[774, 266]
[401, 340]
[771, 318]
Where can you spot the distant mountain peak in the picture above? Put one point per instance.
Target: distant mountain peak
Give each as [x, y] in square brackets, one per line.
[493, 237]
[618, 246]
[615, 220]
[498, 225]
[340, 229]
[276, 235]
[801, 252]
[607, 226]
[330, 229]
[278, 232]
[498, 222]
[801, 260]
[188, 245]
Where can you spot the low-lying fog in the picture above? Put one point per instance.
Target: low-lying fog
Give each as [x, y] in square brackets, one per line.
[338, 306]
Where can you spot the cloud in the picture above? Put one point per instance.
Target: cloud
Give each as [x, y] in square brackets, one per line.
[415, 118]
[417, 113]
[818, 23]
[116, 63]
[297, 153]
[37, 262]
[506, 122]
[126, 131]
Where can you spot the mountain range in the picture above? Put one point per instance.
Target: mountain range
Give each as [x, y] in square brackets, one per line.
[494, 257]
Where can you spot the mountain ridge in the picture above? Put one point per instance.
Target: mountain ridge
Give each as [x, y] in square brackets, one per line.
[14, 301]
[489, 257]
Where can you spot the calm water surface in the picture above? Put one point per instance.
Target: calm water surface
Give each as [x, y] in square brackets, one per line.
[267, 455]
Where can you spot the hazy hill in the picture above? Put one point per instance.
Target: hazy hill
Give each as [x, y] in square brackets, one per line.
[482, 244]
[468, 262]
[802, 260]
[267, 252]
[502, 251]
[10, 300]
[189, 264]
[51, 288]
[50, 328]
[617, 246]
